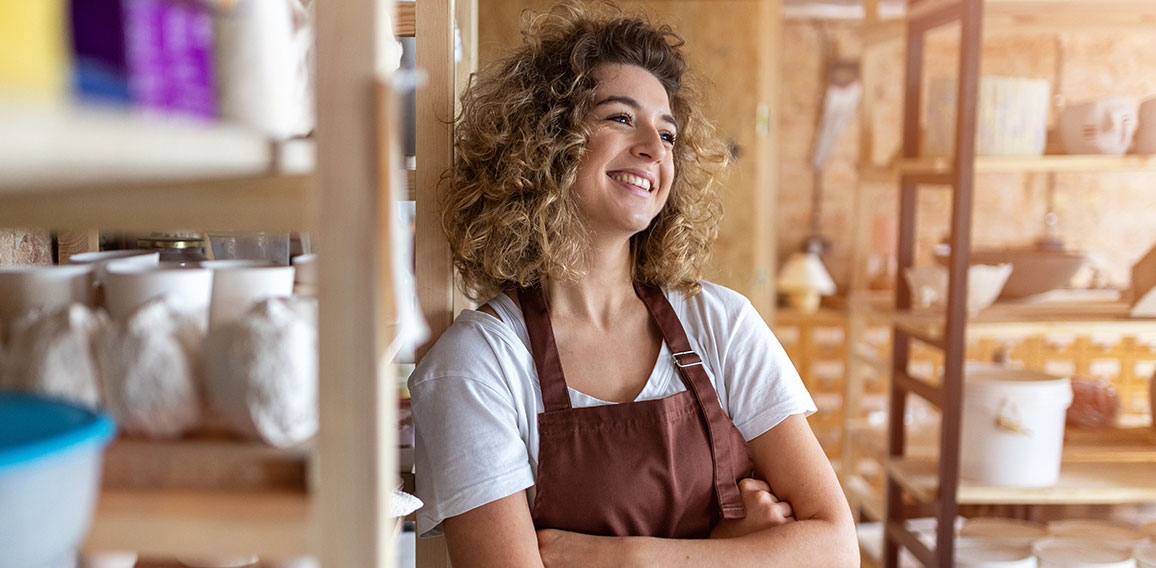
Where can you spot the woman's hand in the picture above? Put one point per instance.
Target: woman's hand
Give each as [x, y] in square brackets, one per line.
[764, 511]
[560, 549]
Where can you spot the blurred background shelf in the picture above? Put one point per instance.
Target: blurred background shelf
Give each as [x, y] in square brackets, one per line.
[1055, 15]
[1085, 482]
[174, 522]
[1005, 164]
[257, 203]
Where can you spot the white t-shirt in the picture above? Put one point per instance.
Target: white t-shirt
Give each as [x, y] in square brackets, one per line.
[476, 398]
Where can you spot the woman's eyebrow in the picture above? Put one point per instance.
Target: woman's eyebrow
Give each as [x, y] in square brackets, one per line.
[630, 102]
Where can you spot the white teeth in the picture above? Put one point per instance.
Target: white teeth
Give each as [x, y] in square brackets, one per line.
[632, 180]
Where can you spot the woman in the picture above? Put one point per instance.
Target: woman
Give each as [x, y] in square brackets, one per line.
[605, 407]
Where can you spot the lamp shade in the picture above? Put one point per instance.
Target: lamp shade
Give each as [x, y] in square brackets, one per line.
[804, 272]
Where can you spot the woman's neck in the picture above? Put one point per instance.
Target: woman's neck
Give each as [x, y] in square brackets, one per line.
[603, 292]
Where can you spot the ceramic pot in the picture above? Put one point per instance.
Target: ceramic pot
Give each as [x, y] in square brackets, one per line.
[1103, 126]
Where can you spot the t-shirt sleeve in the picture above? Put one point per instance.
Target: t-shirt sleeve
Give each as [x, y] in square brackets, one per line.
[763, 386]
[469, 450]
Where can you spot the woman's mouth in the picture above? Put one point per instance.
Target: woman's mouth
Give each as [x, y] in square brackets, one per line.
[631, 179]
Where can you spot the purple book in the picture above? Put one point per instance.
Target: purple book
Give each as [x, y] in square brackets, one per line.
[100, 69]
[170, 55]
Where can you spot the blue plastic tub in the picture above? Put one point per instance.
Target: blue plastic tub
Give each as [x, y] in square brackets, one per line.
[50, 464]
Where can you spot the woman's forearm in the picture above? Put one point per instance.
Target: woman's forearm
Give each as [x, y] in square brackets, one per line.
[803, 543]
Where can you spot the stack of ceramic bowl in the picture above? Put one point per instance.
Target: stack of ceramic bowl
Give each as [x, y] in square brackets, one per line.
[997, 543]
[1088, 543]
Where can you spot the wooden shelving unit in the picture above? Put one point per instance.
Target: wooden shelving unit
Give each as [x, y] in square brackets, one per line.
[1086, 476]
[69, 166]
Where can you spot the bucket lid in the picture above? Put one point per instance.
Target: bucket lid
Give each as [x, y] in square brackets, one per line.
[1035, 386]
[1146, 554]
[985, 552]
[996, 528]
[32, 427]
[1095, 530]
[1075, 552]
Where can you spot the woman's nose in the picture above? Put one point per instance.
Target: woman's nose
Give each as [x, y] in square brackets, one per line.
[650, 145]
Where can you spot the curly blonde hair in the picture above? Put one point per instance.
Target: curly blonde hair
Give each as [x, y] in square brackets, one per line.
[507, 206]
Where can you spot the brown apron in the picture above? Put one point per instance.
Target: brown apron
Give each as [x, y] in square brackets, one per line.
[664, 468]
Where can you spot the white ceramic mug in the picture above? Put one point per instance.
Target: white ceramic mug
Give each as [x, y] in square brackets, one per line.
[100, 260]
[25, 287]
[129, 286]
[238, 284]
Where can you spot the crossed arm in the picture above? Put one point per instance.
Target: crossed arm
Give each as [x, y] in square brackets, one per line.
[502, 533]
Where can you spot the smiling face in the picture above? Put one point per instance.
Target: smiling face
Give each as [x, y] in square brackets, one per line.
[625, 175]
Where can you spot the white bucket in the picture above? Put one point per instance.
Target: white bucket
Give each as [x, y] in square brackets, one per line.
[1013, 426]
[992, 553]
[1065, 553]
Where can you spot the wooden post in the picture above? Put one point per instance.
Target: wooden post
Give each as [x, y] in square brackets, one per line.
[433, 267]
[69, 243]
[357, 439]
[770, 70]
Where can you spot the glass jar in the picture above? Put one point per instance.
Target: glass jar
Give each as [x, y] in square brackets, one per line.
[181, 250]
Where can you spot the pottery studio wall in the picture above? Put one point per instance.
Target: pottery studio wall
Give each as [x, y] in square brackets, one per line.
[18, 246]
[1112, 215]
[1109, 215]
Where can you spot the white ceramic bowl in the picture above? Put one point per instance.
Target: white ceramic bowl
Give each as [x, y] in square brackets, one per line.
[992, 553]
[929, 285]
[47, 287]
[239, 284]
[1074, 553]
[50, 464]
[1096, 530]
[1008, 530]
[127, 287]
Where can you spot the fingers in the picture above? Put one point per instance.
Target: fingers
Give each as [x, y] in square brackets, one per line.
[749, 484]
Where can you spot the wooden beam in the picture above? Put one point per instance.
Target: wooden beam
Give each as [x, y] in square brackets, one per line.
[357, 439]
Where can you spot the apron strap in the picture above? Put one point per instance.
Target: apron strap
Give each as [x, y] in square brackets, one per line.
[545, 351]
[690, 368]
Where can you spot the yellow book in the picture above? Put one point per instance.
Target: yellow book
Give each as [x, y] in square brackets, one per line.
[34, 54]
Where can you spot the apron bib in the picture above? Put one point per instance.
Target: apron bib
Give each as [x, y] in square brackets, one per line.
[664, 468]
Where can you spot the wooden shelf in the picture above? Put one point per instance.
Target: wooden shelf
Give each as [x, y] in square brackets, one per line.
[262, 203]
[60, 146]
[169, 523]
[1009, 164]
[205, 462]
[1084, 482]
[1056, 15]
[1032, 16]
[1025, 318]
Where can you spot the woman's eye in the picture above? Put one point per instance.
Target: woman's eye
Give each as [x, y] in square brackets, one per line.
[620, 118]
[669, 137]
